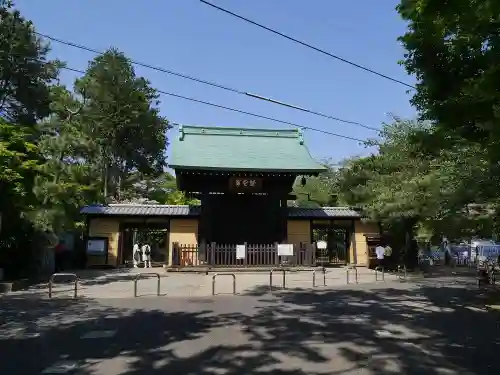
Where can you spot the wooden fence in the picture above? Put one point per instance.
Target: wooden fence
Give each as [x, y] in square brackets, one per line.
[222, 255]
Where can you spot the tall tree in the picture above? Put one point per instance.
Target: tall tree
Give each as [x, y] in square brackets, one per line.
[453, 49]
[25, 71]
[404, 184]
[122, 119]
[67, 179]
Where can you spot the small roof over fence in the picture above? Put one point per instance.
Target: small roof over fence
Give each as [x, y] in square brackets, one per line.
[131, 209]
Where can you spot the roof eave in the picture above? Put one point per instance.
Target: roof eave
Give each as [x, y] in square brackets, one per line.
[229, 169]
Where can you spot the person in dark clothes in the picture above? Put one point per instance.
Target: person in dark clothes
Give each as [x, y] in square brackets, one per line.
[59, 256]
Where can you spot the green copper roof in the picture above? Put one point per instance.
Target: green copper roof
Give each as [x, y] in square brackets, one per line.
[239, 149]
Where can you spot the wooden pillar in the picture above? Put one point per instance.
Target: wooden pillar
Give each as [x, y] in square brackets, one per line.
[176, 259]
[354, 259]
[284, 211]
[212, 254]
[204, 218]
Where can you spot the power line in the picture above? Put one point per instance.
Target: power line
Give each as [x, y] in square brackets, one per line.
[243, 112]
[210, 83]
[317, 49]
[261, 116]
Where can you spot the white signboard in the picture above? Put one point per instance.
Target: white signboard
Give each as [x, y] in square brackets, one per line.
[96, 246]
[321, 245]
[285, 249]
[240, 251]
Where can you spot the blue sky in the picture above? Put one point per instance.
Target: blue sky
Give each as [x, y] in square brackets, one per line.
[189, 37]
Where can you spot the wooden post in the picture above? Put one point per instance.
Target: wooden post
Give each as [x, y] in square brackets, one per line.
[276, 257]
[175, 254]
[245, 263]
[353, 244]
[202, 252]
[312, 248]
[212, 254]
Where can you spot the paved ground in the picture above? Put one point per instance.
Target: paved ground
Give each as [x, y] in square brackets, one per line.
[432, 326]
[120, 283]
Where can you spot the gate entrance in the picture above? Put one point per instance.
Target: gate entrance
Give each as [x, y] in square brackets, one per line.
[337, 239]
[153, 234]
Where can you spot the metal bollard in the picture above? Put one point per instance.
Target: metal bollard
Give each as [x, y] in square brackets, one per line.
[147, 273]
[378, 270]
[51, 281]
[324, 277]
[271, 278]
[352, 267]
[225, 274]
[402, 272]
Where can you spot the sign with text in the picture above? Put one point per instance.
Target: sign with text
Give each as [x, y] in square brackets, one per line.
[285, 249]
[245, 183]
[96, 246]
[321, 245]
[240, 251]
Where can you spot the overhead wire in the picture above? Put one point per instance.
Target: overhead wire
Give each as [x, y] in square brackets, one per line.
[243, 112]
[211, 83]
[305, 44]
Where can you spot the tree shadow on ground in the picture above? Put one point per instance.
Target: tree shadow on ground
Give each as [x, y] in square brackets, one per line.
[388, 330]
[425, 330]
[93, 277]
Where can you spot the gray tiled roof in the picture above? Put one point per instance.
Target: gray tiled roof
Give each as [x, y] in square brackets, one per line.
[323, 212]
[141, 210]
[181, 210]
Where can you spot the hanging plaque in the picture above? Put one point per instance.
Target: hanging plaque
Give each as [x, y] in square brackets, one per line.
[245, 183]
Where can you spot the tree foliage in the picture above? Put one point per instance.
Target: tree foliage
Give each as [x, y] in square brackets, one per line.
[123, 121]
[101, 140]
[25, 72]
[404, 184]
[453, 50]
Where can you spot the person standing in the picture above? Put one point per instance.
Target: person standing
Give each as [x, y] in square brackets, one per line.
[380, 253]
[136, 255]
[447, 251]
[146, 255]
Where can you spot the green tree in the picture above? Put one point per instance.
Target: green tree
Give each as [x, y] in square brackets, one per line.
[315, 193]
[67, 180]
[452, 49]
[406, 185]
[122, 120]
[19, 163]
[25, 72]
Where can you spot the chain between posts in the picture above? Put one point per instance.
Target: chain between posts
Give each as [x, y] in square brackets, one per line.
[351, 268]
[223, 274]
[379, 270]
[324, 277]
[144, 274]
[51, 282]
[271, 277]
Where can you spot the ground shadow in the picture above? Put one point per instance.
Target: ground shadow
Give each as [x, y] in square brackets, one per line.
[393, 329]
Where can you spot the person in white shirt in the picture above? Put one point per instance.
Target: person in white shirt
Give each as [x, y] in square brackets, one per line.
[136, 255]
[380, 252]
[146, 255]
